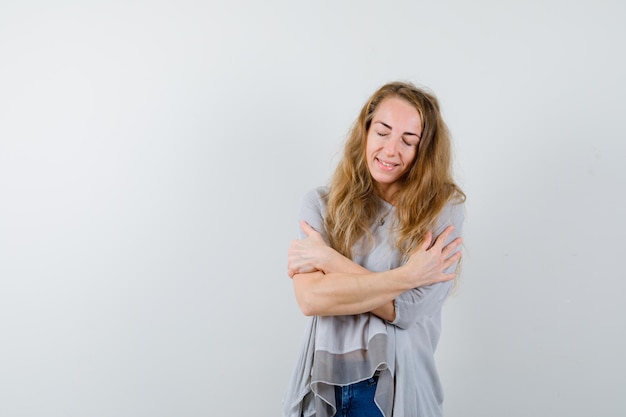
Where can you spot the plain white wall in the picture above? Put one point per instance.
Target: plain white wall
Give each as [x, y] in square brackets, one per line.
[153, 155]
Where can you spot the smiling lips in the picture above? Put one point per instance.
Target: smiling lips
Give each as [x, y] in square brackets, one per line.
[387, 166]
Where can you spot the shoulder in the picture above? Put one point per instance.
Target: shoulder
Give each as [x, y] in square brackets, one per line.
[315, 199]
[313, 208]
[453, 213]
[317, 194]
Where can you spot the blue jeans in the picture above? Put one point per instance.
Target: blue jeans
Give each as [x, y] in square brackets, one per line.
[357, 400]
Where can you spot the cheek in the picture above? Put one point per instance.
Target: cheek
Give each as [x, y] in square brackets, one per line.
[409, 163]
[410, 156]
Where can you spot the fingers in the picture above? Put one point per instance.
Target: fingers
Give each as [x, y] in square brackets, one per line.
[451, 253]
[452, 260]
[448, 277]
[292, 271]
[451, 247]
[427, 241]
[293, 247]
[301, 252]
[306, 228]
[443, 237]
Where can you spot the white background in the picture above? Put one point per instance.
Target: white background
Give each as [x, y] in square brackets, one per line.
[153, 155]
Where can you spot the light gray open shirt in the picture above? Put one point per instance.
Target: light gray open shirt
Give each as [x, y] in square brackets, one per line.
[342, 350]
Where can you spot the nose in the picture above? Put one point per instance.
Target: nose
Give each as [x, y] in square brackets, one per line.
[391, 145]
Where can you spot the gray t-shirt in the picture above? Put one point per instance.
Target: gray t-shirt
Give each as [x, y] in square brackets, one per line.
[340, 350]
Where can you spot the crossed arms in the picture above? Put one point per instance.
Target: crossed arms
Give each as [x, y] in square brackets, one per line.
[327, 283]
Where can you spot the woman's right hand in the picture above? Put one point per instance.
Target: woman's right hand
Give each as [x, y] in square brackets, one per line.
[427, 264]
[308, 254]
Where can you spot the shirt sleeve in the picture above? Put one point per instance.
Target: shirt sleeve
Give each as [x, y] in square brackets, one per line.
[421, 302]
[312, 210]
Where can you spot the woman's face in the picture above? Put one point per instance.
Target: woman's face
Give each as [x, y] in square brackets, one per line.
[392, 141]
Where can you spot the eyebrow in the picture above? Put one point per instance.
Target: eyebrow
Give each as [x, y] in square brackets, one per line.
[405, 133]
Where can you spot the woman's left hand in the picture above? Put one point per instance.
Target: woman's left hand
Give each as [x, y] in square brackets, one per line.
[308, 254]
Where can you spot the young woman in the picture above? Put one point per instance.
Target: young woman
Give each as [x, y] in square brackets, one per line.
[374, 264]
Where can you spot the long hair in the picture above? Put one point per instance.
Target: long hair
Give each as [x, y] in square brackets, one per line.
[353, 199]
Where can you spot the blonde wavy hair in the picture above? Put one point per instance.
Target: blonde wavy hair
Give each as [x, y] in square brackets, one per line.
[354, 200]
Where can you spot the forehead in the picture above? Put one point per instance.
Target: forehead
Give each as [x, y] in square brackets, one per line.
[399, 114]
